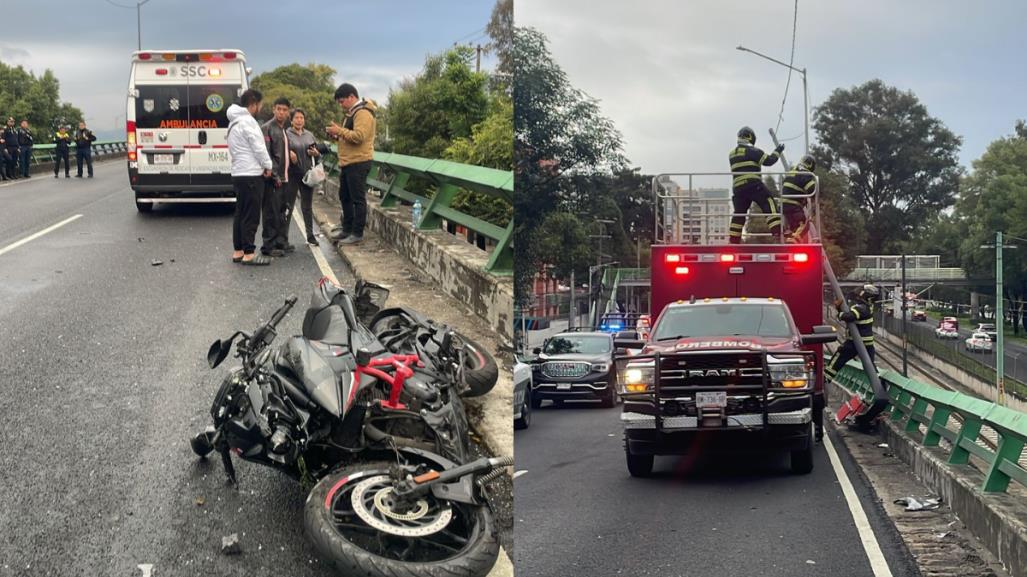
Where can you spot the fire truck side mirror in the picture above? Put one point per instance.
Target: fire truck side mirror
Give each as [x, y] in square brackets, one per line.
[821, 334]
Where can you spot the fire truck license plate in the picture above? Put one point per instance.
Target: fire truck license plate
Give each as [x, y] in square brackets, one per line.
[714, 399]
[164, 159]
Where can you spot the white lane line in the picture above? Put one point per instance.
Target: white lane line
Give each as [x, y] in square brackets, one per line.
[34, 236]
[866, 533]
[519, 473]
[319, 256]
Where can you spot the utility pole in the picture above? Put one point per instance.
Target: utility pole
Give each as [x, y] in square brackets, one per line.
[477, 65]
[905, 339]
[139, 22]
[573, 312]
[1000, 356]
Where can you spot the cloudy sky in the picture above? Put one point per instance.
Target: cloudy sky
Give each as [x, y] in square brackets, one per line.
[372, 44]
[668, 74]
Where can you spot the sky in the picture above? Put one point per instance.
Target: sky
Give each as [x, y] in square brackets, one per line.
[669, 76]
[371, 44]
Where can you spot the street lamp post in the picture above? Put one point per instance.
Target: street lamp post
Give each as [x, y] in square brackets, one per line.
[139, 22]
[805, 87]
[1000, 341]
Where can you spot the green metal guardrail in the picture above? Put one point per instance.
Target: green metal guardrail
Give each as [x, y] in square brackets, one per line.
[47, 152]
[920, 405]
[391, 172]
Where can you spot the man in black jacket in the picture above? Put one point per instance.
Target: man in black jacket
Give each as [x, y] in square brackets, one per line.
[25, 142]
[275, 230]
[84, 139]
[10, 138]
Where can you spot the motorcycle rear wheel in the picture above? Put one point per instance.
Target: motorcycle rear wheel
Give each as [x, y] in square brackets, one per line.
[480, 369]
[465, 547]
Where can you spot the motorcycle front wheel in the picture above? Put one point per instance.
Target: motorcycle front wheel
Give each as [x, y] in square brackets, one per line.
[480, 369]
[351, 521]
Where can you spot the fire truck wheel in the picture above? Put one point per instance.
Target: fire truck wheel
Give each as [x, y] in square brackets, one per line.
[802, 460]
[639, 465]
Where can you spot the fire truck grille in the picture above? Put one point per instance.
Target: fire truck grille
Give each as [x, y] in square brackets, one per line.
[682, 372]
[565, 369]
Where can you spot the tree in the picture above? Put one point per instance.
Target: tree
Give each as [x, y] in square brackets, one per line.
[501, 33]
[558, 130]
[994, 198]
[310, 87]
[490, 145]
[899, 161]
[24, 96]
[443, 103]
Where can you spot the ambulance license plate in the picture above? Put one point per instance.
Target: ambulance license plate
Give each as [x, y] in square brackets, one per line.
[164, 159]
[711, 399]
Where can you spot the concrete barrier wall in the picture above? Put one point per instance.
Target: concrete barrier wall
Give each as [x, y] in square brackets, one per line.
[456, 265]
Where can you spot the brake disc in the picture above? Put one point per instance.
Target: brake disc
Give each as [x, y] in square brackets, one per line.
[373, 502]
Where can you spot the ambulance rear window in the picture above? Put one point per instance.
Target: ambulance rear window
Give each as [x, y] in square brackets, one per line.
[723, 320]
[161, 106]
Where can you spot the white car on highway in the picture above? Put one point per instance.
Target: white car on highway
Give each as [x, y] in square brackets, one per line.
[978, 343]
[946, 331]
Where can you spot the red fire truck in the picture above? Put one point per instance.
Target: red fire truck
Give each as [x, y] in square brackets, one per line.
[735, 355]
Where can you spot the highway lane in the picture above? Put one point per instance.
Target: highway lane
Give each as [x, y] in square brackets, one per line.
[102, 364]
[578, 512]
[1015, 353]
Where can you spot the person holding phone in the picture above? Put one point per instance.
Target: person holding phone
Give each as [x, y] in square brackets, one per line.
[304, 151]
[356, 150]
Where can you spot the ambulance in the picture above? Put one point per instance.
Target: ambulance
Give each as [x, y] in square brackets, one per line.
[177, 124]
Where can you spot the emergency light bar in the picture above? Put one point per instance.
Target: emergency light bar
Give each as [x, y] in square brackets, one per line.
[673, 258]
[681, 270]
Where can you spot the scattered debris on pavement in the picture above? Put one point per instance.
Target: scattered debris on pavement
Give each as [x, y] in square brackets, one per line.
[230, 544]
[922, 504]
[156, 262]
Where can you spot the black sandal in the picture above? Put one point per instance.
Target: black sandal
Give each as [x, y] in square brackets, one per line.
[236, 259]
[259, 260]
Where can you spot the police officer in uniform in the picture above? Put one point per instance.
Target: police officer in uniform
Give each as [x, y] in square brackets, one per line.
[749, 188]
[12, 150]
[798, 181]
[62, 140]
[25, 142]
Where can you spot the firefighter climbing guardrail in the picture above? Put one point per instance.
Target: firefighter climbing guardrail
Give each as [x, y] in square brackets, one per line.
[920, 407]
[390, 174]
[48, 152]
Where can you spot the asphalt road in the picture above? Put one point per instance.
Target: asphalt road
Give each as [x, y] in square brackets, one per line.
[1015, 353]
[102, 364]
[578, 512]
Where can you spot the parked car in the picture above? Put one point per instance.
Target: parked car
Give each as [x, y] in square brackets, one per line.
[988, 329]
[522, 394]
[575, 366]
[919, 315]
[978, 343]
[946, 331]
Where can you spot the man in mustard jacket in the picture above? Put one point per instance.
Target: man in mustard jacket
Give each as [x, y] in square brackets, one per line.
[356, 149]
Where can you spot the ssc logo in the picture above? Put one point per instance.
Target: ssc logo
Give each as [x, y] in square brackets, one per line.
[215, 103]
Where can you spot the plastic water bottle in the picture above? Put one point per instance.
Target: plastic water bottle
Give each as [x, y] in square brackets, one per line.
[416, 213]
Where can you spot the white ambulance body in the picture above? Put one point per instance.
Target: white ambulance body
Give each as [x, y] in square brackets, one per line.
[177, 123]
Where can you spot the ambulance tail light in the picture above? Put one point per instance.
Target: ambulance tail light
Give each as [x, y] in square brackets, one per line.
[145, 56]
[229, 55]
[681, 270]
[800, 257]
[672, 258]
[130, 139]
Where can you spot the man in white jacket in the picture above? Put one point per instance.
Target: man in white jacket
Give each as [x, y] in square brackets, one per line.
[251, 166]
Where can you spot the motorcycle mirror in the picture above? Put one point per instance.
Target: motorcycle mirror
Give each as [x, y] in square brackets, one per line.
[218, 352]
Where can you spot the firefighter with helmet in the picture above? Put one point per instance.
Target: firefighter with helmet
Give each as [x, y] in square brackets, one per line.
[748, 187]
[799, 181]
[861, 312]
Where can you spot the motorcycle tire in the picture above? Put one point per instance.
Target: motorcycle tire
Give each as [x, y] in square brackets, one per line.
[480, 369]
[475, 559]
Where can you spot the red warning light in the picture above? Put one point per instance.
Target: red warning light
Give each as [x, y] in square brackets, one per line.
[144, 56]
[161, 72]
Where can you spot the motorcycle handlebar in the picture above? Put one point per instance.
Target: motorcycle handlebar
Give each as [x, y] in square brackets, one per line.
[260, 334]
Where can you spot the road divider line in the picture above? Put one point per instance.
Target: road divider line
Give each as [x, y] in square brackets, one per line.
[34, 236]
[319, 257]
[878, 564]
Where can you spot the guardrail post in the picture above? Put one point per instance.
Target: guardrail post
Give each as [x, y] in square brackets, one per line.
[1009, 449]
[501, 259]
[398, 181]
[938, 420]
[968, 432]
[918, 409]
[443, 197]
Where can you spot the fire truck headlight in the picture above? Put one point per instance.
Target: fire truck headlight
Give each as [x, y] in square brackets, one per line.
[638, 379]
[790, 375]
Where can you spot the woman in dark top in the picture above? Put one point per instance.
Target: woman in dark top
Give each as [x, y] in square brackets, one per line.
[303, 152]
